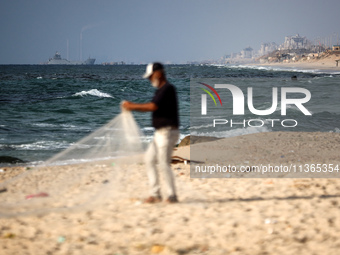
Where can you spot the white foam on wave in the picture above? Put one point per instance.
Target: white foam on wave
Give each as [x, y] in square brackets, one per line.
[148, 129]
[291, 107]
[43, 125]
[336, 130]
[202, 126]
[233, 132]
[181, 137]
[93, 92]
[62, 126]
[283, 69]
[146, 139]
[268, 105]
[41, 145]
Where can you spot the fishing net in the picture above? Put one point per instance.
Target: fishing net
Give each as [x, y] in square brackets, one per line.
[92, 172]
[120, 137]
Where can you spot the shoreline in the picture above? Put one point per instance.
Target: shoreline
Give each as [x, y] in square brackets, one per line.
[185, 142]
[300, 67]
[327, 64]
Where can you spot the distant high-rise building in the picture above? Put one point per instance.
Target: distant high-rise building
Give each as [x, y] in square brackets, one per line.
[247, 53]
[295, 42]
[266, 48]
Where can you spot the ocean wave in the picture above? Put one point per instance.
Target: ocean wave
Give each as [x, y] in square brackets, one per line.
[201, 126]
[268, 105]
[327, 76]
[148, 129]
[146, 139]
[233, 132]
[336, 130]
[67, 111]
[93, 92]
[43, 125]
[63, 126]
[41, 145]
[284, 69]
[181, 136]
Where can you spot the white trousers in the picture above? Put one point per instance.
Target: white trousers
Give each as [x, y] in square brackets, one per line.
[160, 150]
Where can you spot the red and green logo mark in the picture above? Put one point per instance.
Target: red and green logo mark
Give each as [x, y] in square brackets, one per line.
[204, 97]
[208, 92]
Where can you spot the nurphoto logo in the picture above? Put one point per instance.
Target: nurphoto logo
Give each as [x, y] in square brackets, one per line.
[238, 104]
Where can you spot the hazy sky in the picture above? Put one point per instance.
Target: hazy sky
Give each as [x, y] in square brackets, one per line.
[143, 31]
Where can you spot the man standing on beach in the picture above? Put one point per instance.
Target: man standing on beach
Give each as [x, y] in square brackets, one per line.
[165, 120]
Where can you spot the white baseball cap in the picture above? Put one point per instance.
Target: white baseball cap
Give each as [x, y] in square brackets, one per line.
[150, 68]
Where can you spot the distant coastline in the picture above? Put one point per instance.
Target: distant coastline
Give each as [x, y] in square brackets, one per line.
[327, 63]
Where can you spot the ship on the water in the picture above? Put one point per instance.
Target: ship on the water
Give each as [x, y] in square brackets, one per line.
[57, 60]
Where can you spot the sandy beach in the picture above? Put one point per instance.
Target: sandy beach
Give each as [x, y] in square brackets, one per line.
[327, 63]
[214, 216]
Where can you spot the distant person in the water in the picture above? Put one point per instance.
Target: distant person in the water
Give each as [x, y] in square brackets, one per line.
[165, 120]
[294, 78]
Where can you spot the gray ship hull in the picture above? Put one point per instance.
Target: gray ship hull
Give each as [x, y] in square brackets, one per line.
[57, 60]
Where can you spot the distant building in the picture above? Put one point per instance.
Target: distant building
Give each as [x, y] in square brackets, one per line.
[267, 48]
[336, 48]
[295, 42]
[247, 53]
[235, 55]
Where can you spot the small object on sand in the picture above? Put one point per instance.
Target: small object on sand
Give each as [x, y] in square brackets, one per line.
[113, 164]
[2, 170]
[177, 159]
[152, 200]
[270, 221]
[10, 160]
[41, 194]
[138, 202]
[3, 190]
[157, 248]
[9, 235]
[61, 239]
[137, 246]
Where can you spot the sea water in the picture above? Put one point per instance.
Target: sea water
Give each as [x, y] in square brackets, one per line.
[45, 109]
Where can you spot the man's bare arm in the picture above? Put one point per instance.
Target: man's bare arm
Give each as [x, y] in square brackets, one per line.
[145, 107]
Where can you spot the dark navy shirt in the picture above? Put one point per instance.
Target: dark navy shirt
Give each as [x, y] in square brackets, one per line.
[167, 113]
